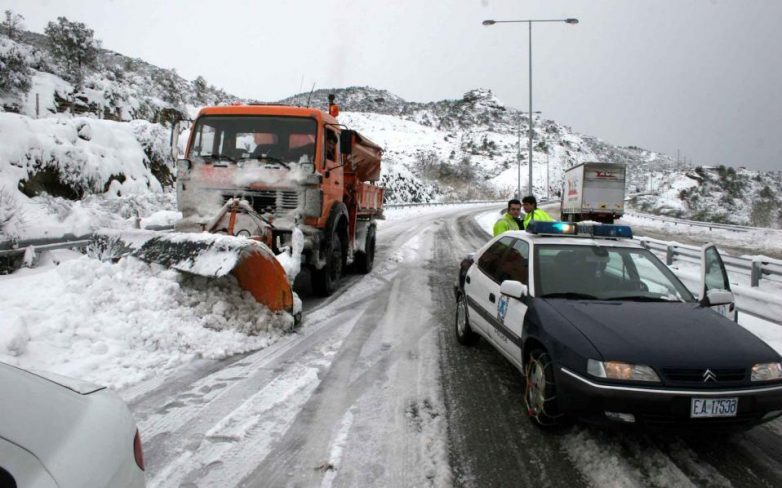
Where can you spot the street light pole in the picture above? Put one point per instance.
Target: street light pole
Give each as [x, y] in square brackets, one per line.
[529, 23]
[531, 154]
[518, 155]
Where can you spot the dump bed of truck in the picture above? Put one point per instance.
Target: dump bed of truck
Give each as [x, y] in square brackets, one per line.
[365, 159]
[369, 199]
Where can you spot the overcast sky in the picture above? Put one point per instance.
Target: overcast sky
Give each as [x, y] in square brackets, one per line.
[702, 77]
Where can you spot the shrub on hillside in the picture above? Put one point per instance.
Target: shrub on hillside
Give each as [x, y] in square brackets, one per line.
[14, 73]
[12, 218]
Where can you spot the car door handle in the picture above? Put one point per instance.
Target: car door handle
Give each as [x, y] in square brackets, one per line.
[491, 297]
[467, 279]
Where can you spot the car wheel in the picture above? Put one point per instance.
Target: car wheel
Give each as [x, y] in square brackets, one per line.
[540, 393]
[327, 278]
[464, 333]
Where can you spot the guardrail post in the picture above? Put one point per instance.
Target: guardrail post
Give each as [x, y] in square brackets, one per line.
[669, 254]
[756, 273]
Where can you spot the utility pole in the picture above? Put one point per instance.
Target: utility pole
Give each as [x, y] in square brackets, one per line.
[548, 181]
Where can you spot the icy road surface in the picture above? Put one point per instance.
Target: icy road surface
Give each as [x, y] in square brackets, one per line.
[373, 391]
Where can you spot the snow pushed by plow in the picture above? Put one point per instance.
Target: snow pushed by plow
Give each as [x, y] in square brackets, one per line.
[121, 324]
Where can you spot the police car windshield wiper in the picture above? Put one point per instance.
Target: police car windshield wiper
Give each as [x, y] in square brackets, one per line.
[570, 294]
[642, 298]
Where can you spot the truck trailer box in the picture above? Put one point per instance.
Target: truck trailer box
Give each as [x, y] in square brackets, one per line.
[594, 191]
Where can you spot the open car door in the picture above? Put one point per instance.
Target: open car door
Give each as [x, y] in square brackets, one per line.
[715, 287]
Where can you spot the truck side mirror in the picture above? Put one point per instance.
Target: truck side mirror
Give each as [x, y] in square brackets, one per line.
[175, 141]
[346, 142]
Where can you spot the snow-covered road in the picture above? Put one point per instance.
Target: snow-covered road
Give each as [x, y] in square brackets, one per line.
[373, 390]
[370, 390]
[351, 399]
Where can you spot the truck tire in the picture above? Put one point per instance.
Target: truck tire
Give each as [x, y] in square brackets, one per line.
[366, 259]
[326, 279]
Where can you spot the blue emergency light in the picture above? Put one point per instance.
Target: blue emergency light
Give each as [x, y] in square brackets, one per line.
[584, 230]
[610, 230]
[551, 228]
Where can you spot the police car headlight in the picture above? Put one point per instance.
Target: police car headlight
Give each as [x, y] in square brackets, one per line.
[767, 372]
[615, 370]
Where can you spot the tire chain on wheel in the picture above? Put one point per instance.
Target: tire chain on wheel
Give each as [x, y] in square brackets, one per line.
[548, 420]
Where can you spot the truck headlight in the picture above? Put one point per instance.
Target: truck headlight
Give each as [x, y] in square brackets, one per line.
[616, 370]
[313, 202]
[767, 372]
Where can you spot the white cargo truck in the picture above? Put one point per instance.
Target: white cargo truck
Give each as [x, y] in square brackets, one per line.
[593, 191]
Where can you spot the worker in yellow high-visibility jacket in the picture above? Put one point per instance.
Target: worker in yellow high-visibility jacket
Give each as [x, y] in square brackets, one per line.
[530, 206]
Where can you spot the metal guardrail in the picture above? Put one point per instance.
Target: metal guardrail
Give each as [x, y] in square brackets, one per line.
[699, 223]
[752, 269]
[68, 241]
[756, 268]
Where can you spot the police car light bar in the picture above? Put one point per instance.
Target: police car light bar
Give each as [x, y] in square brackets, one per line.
[584, 230]
[610, 230]
[551, 228]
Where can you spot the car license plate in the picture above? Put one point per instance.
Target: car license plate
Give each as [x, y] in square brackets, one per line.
[713, 407]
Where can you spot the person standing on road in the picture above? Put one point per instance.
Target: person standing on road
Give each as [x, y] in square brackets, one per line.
[510, 219]
[532, 211]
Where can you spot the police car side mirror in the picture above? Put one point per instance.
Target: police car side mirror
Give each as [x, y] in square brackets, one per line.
[514, 289]
[718, 297]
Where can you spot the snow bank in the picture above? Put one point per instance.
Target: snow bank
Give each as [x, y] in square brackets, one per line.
[120, 324]
[104, 161]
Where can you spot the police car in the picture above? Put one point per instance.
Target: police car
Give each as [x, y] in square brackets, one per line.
[604, 331]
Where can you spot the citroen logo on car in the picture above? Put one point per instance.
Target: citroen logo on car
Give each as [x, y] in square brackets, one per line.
[709, 376]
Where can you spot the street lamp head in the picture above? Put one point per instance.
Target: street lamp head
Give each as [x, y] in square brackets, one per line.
[488, 22]
[571, 21]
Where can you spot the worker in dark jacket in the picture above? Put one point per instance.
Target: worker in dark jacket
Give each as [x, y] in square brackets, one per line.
[510, 219]
[532, 211]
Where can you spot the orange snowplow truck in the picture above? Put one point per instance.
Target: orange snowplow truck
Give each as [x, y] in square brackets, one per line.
[297, 168]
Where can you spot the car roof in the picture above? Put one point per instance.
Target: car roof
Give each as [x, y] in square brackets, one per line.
[572, 240]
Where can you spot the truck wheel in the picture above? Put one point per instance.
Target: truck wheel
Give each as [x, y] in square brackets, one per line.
[366, 259]
[326, 279]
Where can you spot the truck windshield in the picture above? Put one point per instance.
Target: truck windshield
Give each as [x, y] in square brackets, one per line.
[605, 273]
[234, 139]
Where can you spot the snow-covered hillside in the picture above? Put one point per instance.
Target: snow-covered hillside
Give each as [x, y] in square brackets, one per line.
[75, 159]
[718, 194]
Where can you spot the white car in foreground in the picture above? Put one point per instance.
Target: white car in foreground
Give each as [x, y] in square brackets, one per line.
[63, 433]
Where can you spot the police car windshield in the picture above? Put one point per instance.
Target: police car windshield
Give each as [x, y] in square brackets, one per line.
[605, 273]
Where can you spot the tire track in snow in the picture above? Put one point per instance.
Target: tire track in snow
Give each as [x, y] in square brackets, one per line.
[383, 350]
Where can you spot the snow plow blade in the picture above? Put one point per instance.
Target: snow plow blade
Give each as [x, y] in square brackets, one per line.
[252, 263]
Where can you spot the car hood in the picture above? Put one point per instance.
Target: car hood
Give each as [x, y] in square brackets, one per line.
[664, 334]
